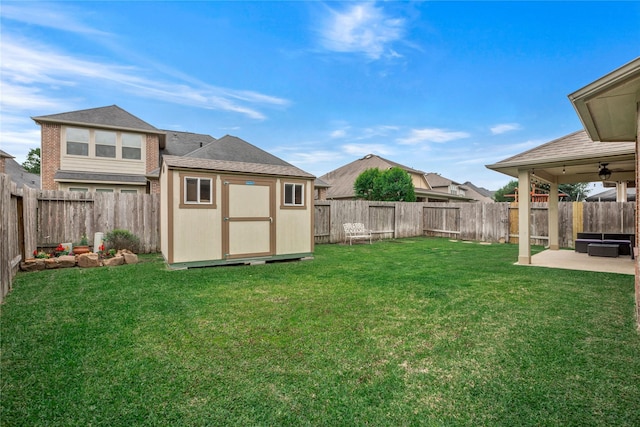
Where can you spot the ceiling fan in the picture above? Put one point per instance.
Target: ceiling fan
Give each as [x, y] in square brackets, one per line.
[604, 173]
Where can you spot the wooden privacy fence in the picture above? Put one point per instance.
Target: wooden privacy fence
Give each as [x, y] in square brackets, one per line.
[65, 216]
[487, 222]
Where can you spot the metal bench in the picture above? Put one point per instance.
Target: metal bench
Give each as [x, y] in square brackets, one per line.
[356, 231]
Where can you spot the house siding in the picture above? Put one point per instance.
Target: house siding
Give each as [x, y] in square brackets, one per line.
[50, 155]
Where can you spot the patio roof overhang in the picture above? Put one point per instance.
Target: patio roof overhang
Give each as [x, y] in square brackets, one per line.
[572, 158]
[608, 107]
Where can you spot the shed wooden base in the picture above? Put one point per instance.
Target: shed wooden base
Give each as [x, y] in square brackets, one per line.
[241, 261]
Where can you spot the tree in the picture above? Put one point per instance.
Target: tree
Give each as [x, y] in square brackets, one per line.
[391, 185]
[365, 184]
[576, 192]
[32, 164]
[396, 186]
[510, 188]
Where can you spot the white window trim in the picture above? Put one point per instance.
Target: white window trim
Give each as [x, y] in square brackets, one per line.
[294, 185]
[199, 179]
[91, 152]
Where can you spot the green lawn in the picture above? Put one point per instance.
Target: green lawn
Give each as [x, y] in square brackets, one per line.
[405, 332]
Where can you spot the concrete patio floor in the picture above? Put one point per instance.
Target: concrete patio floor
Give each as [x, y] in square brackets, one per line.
[571, 260]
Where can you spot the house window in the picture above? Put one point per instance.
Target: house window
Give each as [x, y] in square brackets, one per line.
[131, 146]
[82, 190]
[104, 190]
[293, 194]
[105, 144]
[78, 141]
[197, 190]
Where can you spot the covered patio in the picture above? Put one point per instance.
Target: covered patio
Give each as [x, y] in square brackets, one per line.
[609, 109]
[571, 159]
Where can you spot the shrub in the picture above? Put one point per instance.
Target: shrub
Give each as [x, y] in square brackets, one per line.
[121, 239]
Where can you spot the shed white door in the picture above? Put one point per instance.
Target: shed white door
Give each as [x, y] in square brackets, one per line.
[248, 226]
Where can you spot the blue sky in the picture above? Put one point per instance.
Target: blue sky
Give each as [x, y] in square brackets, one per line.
[440, 86]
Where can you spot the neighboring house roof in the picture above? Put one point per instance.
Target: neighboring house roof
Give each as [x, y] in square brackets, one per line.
[70, 176]
[232, 148]
[341, 180]
[189, 162]
[178, 143]
[436, 180]
[17, 173]
[610, 195]
[442, 184]
[321, 184]
[112, 117]
[479, 193]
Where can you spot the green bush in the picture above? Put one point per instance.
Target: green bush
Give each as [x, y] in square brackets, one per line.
[121, 239]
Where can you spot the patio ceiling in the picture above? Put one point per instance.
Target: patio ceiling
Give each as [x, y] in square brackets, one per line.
[608, 106]
[571, 159]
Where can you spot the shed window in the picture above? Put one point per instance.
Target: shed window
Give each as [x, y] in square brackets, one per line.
[197, 190]
[294, 194]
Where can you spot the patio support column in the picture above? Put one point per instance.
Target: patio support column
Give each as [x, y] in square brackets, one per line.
[524, 222]
[621, 191]
[553, 217]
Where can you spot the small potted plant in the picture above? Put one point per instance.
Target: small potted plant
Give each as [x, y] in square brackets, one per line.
[83, 246]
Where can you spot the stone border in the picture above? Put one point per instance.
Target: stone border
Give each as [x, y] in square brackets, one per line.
[88, 260]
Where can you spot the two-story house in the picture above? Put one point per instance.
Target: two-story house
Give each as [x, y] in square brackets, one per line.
[99, 149]
[340, 181]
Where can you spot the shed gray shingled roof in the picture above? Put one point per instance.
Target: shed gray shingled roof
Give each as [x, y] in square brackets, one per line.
[181, 143]
[108, 117]
[234, 149]
[188, 162]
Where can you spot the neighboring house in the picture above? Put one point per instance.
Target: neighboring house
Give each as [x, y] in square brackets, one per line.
[447, 186]
[611, 195]
[230, 202]
[341, 180]
[99, 149]
[321, 189]
[17, 173]
[480, 194]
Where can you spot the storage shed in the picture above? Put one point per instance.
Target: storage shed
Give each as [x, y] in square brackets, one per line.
[232, 203]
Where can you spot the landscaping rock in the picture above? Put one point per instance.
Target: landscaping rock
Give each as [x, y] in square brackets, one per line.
[66, 261]
[88, 260]
[130, 258]
[116, 260]
[32, 264]
[51, 263]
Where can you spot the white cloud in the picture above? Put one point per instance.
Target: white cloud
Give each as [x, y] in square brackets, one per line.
[364, 149]
[57, 16]
[311, 157]
[27, 65]
[432, 135]
[504, 127]
[338, 133]
[362, 28]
